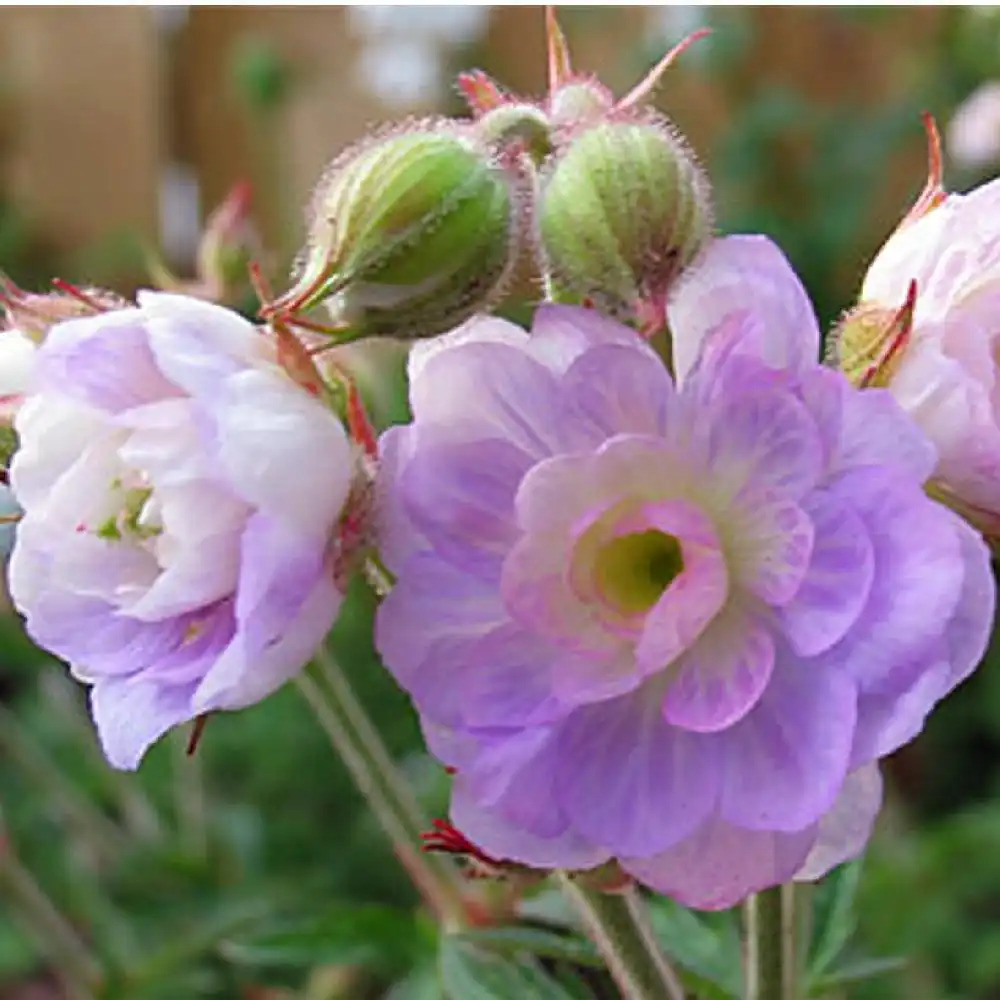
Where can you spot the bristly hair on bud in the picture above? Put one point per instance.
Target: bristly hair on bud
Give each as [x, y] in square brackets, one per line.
[411, 232]
[624, 210]
[868, 343]
[33, 313]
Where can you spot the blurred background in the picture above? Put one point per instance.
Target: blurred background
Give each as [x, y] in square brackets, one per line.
[250, 871]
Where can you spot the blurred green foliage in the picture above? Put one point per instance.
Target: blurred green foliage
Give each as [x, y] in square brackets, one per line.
[252, 871]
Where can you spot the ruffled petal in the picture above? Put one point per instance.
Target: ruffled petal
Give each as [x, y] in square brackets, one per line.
[507, 841]
[719, 865]
[494, 390]
[133, 713]
[837, 582]
[286, 602]
[259, 415]
[199, 344]
[785, 761]
[844, 831]
[460, 497]
[746, 279]
[918, 573]
[717, 682]
[874, 430]
[764, 440]
[561, 334]
[83, 360]
[618, 389]
[630, 781]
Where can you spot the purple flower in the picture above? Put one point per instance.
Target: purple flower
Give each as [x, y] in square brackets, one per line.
[181, 497]
[670, 624]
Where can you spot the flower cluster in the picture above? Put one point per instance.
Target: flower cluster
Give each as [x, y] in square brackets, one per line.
[661, 611]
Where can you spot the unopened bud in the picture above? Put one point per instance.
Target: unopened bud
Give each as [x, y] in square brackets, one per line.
[411, 234]
[624, 210]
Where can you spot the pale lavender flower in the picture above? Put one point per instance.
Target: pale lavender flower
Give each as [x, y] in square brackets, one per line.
[181, 497]
[945, 371]
[672, 625]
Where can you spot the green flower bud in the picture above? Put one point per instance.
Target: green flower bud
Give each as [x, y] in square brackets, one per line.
[411, 234]
[624, 210]
[870, 340]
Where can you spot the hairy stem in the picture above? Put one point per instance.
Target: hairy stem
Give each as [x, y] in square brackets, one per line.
[53, 933]
[619, 926]
[359, 745]
[772, 954]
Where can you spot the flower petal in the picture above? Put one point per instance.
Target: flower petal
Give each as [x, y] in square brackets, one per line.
[507, 841]
[198, 344]
[744, 278]
[286, 602]
[496, 391]
[618, 389]
[785, 761]
[630, 781]
[844, 831]
[837, 583]
[723, 676]
[259, 414]
[83, 360]
[918, 572]
[694, 597]
[719, 865]
[765, 439]
[133, 713]
[460, 496]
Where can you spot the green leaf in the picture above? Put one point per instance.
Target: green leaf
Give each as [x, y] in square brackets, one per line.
[538, 941]
[706, 948]
[472, 973]
[345, 934]
[855, 972]
[834, 916]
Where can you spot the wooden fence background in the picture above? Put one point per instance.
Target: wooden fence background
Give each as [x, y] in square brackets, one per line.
[97, 104]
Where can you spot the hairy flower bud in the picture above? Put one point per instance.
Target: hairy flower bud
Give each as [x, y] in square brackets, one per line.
[868, 343]
[624, 210]
[411, 234]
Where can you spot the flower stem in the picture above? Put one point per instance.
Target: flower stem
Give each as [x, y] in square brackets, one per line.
[771, 951]
[53, 933]
[104, 839]
[619, 926]
[359, 745]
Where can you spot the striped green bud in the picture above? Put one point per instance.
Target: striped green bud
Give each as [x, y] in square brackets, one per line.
[624, 210]
[411, 234]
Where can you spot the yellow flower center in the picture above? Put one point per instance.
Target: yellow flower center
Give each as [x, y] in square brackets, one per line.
[632, 571]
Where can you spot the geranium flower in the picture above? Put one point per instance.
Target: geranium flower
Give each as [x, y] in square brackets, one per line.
[181, 499]
[669, 623]
[927, 328]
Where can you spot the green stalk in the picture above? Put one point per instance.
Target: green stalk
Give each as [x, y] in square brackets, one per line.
[772, 952]
[359, 745]
[618, 924]
[103, 838]
[51, 931]
[138, 813]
